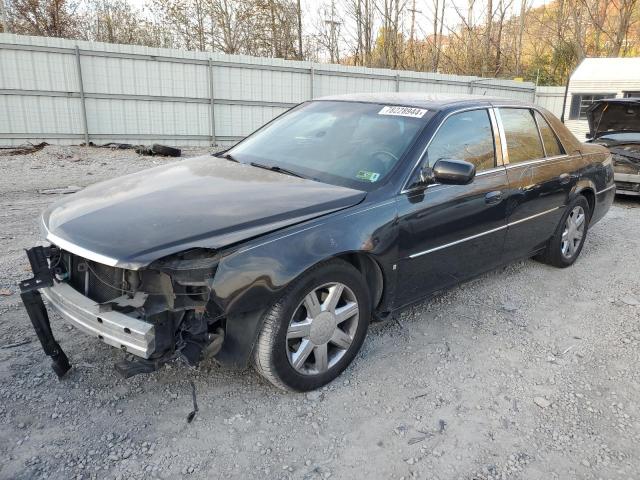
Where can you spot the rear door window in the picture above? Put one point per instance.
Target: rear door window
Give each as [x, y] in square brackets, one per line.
[521, 132]
[551, 144]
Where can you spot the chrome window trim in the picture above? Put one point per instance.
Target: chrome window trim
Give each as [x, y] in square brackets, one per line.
[503, 138]
[499, 168]
[481, 234]
[404, 188]
[497, 139]
[536, 161]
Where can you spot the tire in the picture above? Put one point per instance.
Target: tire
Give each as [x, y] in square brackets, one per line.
[558, 253]
[289, 350]
[166, 151]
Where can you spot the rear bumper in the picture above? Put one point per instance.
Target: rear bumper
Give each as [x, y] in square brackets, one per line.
[627, 183]
[114, 328]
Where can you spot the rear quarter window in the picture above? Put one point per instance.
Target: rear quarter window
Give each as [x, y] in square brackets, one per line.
[551, 144]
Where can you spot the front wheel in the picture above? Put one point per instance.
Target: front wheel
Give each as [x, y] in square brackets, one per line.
[316, 329]
[565, 246]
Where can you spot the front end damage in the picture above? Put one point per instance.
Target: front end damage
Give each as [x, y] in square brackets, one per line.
[626, 165]
[153, 314]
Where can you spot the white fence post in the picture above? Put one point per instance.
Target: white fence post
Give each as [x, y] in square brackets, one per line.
[212, 111]
[82, 99]
[312, 73]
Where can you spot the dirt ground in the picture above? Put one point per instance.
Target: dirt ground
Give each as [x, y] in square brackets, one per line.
[528, 372]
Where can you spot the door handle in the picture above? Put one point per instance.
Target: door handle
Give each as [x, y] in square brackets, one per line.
[564, 178]
[493, 197]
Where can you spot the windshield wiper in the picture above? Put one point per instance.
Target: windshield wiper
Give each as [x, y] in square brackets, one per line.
[275, 168]
[226, 156]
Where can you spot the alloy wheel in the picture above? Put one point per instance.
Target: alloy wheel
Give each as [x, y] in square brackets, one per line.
[322, 328]
[573, 232]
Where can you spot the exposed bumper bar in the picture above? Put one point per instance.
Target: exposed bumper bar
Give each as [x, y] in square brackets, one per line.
[114, 328]
[628, 178]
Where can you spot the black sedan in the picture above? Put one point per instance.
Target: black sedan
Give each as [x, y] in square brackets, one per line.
[279, 251]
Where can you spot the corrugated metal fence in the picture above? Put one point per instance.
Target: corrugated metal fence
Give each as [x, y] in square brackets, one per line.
[69, 92]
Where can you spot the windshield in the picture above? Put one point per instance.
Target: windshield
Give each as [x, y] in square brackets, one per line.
[343, 143]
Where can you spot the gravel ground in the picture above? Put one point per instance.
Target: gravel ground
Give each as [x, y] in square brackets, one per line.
[528, 372]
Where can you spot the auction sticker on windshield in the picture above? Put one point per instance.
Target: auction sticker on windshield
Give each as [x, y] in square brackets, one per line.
[368, 176]
[403, 111]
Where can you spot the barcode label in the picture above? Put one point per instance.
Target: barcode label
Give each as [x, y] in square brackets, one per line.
[403, 111]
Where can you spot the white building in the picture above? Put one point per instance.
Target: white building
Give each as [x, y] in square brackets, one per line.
[597, 78]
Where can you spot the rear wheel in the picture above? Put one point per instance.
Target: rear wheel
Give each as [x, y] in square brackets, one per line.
[565, 246]
[316, 329]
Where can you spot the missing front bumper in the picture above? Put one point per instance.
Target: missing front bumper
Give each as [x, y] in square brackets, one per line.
[117, 329]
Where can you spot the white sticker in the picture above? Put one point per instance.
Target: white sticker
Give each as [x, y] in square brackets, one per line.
[403, 111]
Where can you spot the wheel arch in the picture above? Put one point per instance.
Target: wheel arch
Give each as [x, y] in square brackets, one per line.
[587, 190]
[370, 270]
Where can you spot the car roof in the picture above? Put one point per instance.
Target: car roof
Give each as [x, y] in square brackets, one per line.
[433, 101]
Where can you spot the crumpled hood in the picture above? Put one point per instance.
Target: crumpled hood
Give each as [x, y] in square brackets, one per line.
[204, 202]
[616, 114]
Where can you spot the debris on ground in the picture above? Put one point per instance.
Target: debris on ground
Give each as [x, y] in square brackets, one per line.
[16, 344]
[22, 149]
[157, 149]
[165, 150]
[542, 402]
[630, 300]
[193, 412]
[61, 191]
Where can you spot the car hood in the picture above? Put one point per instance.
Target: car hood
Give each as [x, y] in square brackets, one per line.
[204, 202]
[614, 115]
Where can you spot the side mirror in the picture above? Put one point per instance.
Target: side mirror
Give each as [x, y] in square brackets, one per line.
[453, 172]
[588, 135]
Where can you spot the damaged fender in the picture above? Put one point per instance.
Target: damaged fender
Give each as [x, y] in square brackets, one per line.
[244, 290]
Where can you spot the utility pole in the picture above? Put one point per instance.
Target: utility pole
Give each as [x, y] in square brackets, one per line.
[439, 45]
[359, 56]
[300, 53]
[333, 38]
[412, 41]
[4, 16]
[413, 20]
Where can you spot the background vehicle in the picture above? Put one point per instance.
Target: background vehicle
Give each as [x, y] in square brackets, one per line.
[281, 250]
[615, 124]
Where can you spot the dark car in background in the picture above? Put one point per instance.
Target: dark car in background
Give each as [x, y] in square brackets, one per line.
[279, 251]
[615, 123]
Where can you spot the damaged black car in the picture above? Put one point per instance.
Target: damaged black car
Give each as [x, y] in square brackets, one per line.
[279, 251]
[615, 123]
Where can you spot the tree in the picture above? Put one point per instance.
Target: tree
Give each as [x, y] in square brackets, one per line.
[48, 18]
